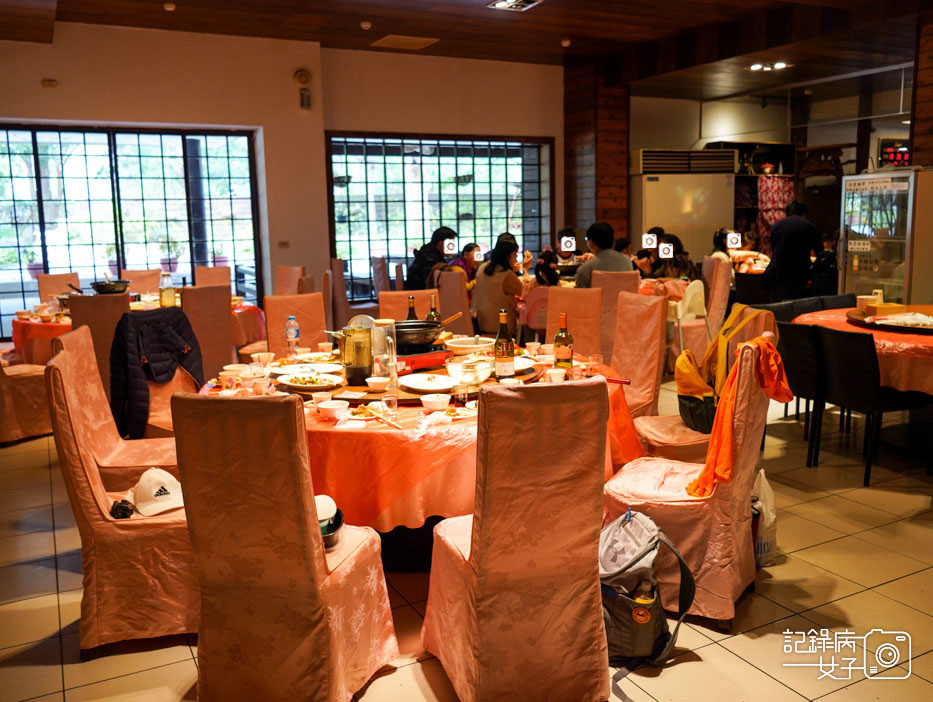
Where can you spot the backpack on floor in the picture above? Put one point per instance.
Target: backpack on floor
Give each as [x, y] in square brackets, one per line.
[636, 626]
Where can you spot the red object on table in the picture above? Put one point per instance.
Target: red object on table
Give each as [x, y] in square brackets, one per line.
[672, 287]
[33, 340]
[249, 324]
[905, 360]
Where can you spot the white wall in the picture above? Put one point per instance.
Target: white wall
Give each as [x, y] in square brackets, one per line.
[114, 75]
[387, 92]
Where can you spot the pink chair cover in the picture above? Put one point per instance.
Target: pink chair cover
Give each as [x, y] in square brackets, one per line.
[120, 462]
[696, 337]
[280, 619]
[612, 283]
[584, 309]
[24, 407]
[286, 279]
[669, 437]
[343, 310]
[100, 313]
[327, 288]
[139, 578]
[212, 275]
[51, 284]
[713, 533]
[639, 350]
[535, 313]
[208, 310]
[380, 274]
[399, 276]
[306, 284]
[514, 600]
[142, 281]
[309, 313]
[394, 305]
[453, 298]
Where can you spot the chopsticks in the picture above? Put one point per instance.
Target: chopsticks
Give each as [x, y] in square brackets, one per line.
[383, 418]
[618, 381]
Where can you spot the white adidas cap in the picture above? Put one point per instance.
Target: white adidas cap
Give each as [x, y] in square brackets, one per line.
[157, 491]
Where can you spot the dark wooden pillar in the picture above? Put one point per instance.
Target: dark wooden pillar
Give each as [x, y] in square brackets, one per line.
[921, 122]
[596, 162]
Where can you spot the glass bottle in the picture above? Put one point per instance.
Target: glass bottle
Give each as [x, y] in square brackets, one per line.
[433, 315]
[166, 290]
[411, 308]
[563, 345]
[505, 349]
[292, 337]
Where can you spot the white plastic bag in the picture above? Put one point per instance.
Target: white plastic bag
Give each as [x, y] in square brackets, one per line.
[766, 540]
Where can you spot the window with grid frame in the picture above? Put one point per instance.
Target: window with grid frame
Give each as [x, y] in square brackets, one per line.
[96, 201]
[390, 192]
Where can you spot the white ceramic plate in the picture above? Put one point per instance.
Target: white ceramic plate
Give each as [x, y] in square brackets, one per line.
[297, 369]
[316, 357]
[329, 381]
[426, 382]
[549, 360]
[523, 363]
[472, 405]
[326, 367]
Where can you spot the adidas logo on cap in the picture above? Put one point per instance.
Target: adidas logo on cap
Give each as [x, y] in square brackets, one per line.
[161, 492]
[157, 491]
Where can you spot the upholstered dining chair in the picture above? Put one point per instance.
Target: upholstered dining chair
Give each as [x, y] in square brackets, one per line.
[639, 351]
[344, 310]
[139, 576]
[399, 276]
[286, 279]
[208, 309]
[101, 314]
[697, 333]
[452, 298]
[713, 533]
[309, 313]
[380, 273]
[142, 281]
[281, 618]
[486, 603]
[52, 284]
[212, 275]
[612, 283]
[394, 305]
[119, 461]
[584, 311]
[535, 314]
[306, 284]
[24, 407]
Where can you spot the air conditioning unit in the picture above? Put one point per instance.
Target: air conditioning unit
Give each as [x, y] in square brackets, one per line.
[650, 161]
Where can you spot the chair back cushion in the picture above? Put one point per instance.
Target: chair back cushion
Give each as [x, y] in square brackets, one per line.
[308, 310]
[639, 350]
[849, 363]
[212, 275]
[208, 310]
[286, 279]
[797, 344]
[142, 281]
[380, 273]
[536, 308]
[100, 314]
[612, 283]
[584, 310]
[394, 305]
[51, 284]
[835, 302]
[453, 298]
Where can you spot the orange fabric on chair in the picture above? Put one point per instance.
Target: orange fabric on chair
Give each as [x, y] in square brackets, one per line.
[212, 275]
[309, 313]
[513, 608]
[771, 379]
[281, 619]
[100, 313]
[612, 283]
[139, 578]
[208, 310]
[286, 279]
[452, 298]
[51, 284]
[584, 310]
[712, 533]
[142, 281]
[24, 407]
[394, 305]
[343, 309]
[119, 461]
[639, 350]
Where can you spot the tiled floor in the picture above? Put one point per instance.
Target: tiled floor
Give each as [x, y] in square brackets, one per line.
[850, 557]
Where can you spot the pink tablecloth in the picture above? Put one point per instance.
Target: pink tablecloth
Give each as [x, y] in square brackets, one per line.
[33, 340]
[249, 324]
[383, 477]
[905, 360]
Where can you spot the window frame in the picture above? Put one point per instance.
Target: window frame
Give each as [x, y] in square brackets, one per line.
[329, 134]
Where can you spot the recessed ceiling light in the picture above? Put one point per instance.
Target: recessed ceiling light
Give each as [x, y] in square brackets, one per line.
[766, 68]
[565, 43]
[513, 5]
[756, 67]
[366, 25]
[779, 65]
[905, 121]
[168, 6]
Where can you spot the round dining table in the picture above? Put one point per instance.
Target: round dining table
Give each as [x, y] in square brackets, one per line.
[905, 360]
[385, 477]
[32, 339]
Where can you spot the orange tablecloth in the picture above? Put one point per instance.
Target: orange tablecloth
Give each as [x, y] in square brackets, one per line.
[905, 360]
[383, 477]
[672, 287]
[249, 324]
[33, 340]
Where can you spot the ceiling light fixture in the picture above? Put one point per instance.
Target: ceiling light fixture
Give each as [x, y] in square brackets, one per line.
[776, 66]
[565, 43]
[755, 67]
[779, 65]
[366, 25]
[513, 5]
[766, 68]
[168, 6]
[905, 121]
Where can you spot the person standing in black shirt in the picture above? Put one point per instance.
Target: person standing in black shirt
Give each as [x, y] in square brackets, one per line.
[792, 240]
[428, 256]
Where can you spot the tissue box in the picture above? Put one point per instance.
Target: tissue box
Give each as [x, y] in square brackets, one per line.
[879, 309]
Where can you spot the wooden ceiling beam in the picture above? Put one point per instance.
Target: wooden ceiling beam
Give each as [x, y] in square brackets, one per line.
[27, 20]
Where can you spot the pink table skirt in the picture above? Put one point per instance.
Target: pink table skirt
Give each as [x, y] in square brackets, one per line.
[33, 340]
[249, 324]
[905, 360]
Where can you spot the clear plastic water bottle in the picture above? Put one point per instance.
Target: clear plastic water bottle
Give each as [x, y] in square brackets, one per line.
[292, 337]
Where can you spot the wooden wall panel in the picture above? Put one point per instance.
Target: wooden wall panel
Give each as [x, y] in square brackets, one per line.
[921, 123]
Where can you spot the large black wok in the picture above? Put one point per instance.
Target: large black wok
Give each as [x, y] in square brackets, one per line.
[107, 287]
[416, 332]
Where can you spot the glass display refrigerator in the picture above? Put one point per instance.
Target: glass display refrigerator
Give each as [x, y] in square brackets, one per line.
[886, 235]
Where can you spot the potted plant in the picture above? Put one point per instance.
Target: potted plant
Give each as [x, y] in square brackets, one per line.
[112, 263]
[220, 258]
[172, 250]
[32, 265]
